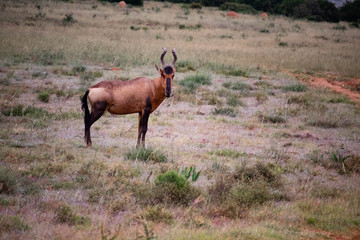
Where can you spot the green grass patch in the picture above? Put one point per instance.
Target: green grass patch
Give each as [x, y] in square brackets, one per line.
[192, 82]
[231, 112]
[11, 223]
[275, 117]
[65, 214]
[44, 97]
[229, 153]
[336, 215]
[298, 87]
[184, 66]
[233, 193]
[158, 214]
[146, 155]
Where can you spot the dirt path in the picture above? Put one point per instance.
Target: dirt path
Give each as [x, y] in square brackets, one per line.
[350, 88]
[345, 87]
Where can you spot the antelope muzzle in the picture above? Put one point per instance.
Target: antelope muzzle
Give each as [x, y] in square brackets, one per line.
[168, 87]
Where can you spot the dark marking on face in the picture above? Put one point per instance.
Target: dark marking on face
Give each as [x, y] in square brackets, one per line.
[168, 87]
[168, 70]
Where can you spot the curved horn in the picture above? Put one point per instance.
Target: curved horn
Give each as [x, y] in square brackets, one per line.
[162, 57]
[175, 57]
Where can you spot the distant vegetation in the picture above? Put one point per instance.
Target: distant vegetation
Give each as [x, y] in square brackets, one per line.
[315, 10]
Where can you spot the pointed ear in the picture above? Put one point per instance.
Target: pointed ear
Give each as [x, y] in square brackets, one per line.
[158, 69]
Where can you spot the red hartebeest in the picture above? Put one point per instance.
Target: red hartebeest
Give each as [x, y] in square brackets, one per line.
[140, 95]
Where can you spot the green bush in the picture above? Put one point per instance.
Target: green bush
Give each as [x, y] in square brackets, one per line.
[238, 7]
[192, 82]
[172, 177]
[173, 188]
[350, 11]
[131, 2]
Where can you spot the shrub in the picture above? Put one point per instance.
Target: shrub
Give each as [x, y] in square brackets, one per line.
[146, 155]
[173, 178]
[68, 19]
[192, 82]
[44, 97]
[238, 7]
[132, 2]
[173, 188]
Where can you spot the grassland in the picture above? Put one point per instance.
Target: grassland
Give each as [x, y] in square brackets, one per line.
[278, 159]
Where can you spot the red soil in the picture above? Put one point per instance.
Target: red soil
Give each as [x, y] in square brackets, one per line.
[233, 14]
[349, 87]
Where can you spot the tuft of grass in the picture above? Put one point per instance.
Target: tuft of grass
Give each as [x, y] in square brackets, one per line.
[146, 155]
[68, 19]
[231, 112]
[233, 72]
[275, 117]
[192, 82]
[65, 214]
[337, 215]
[158, 214]
[229, 153]
[44, 97]
[184, 66]
[336, 117]
[240, 86]
[8, 183]
[211, 98]
[11, 223]
[234, 101]
[298, 87]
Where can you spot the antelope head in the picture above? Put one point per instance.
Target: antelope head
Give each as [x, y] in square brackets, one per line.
[167, 73]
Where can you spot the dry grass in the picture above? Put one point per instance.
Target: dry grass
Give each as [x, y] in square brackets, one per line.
[106, 35]
[264, 151]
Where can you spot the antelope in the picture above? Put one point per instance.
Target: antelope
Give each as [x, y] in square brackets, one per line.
[140, 95]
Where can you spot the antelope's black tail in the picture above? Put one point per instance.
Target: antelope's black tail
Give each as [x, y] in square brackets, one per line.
[85, 108]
